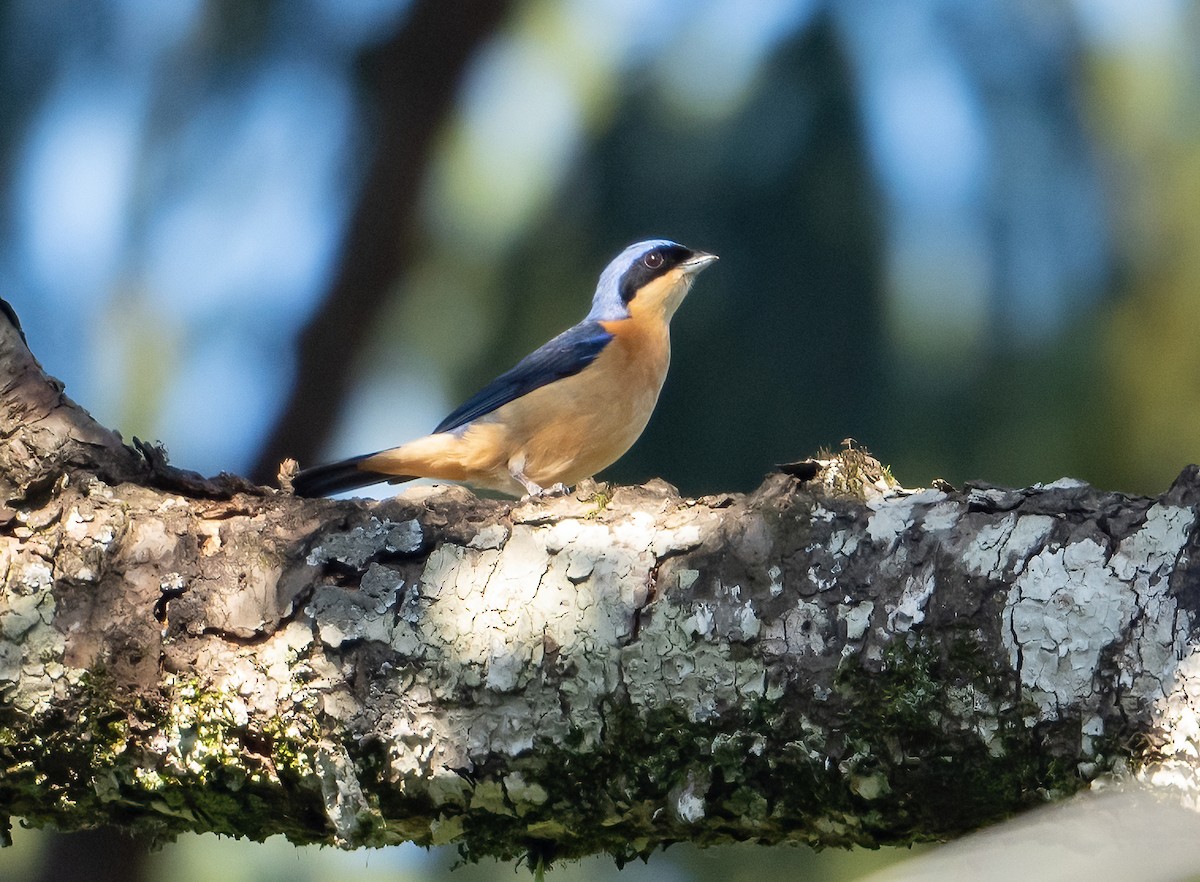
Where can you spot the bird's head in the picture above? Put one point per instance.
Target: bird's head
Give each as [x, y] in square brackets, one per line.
[647, 278]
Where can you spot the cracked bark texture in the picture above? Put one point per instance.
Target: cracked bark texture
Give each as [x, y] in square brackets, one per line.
[833, 661]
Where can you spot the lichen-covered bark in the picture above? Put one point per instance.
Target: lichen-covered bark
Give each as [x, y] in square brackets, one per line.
[831, 661]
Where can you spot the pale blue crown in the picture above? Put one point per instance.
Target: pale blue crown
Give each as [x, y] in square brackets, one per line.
[607, 304]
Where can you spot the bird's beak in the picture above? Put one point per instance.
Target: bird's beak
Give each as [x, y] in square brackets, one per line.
[698, 261]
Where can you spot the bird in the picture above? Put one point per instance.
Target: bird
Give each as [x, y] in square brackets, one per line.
[564, 412]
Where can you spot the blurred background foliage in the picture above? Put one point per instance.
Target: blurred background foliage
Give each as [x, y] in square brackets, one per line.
[961, 231]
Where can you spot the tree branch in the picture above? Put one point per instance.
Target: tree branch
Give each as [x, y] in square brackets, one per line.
[834, 661]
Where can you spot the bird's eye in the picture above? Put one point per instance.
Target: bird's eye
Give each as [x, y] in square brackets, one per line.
[653, 260]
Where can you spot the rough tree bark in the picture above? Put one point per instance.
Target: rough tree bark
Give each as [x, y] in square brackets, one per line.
[831, 661]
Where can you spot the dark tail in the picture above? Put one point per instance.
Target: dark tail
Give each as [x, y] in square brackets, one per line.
[335, 477]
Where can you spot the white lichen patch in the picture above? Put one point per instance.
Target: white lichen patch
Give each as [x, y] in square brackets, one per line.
[774, 573]
[682, 658]
[582, 544]
[990, 497]
[344, 616]
[246, 611]
[686, 799]
[485, 617]
[910, 609]
[890, 519]
[1169, 665]
[821, 513]
[941, 517]
[728, 616]
[677, 540]
[1177, 716]
[802, 630]
[31, 648]
[381, 586]
[504, 730]
[892, 513]
[823, 582]
[346, 805]
[745, 623]
[700, 622]
[1070, 603]
[151, 541]
[857, 618]
[490, 537]
[1062, 611]
[1144, 554]
[357, 546]
[984, 553]
[1062, 484]
[404, 538]
[32, 576]
[842, 542]
[998, 545]
[77, 525]
[20, 613]
[11, 659]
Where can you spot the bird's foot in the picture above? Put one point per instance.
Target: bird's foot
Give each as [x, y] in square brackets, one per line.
[533, 491]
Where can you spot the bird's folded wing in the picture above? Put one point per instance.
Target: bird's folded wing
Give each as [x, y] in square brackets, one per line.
[567, 354]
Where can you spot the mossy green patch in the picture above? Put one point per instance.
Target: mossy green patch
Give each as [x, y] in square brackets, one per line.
[73, 767]
[944, 772]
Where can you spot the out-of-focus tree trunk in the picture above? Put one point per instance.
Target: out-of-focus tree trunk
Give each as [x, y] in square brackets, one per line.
[412, 80]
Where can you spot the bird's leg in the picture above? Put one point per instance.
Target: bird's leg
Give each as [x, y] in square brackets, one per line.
[516, 468]
[532, 489]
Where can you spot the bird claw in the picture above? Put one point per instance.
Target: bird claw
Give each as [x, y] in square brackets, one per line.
[536, 492]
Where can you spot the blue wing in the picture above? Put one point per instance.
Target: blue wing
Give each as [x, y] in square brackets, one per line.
[567, 354]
